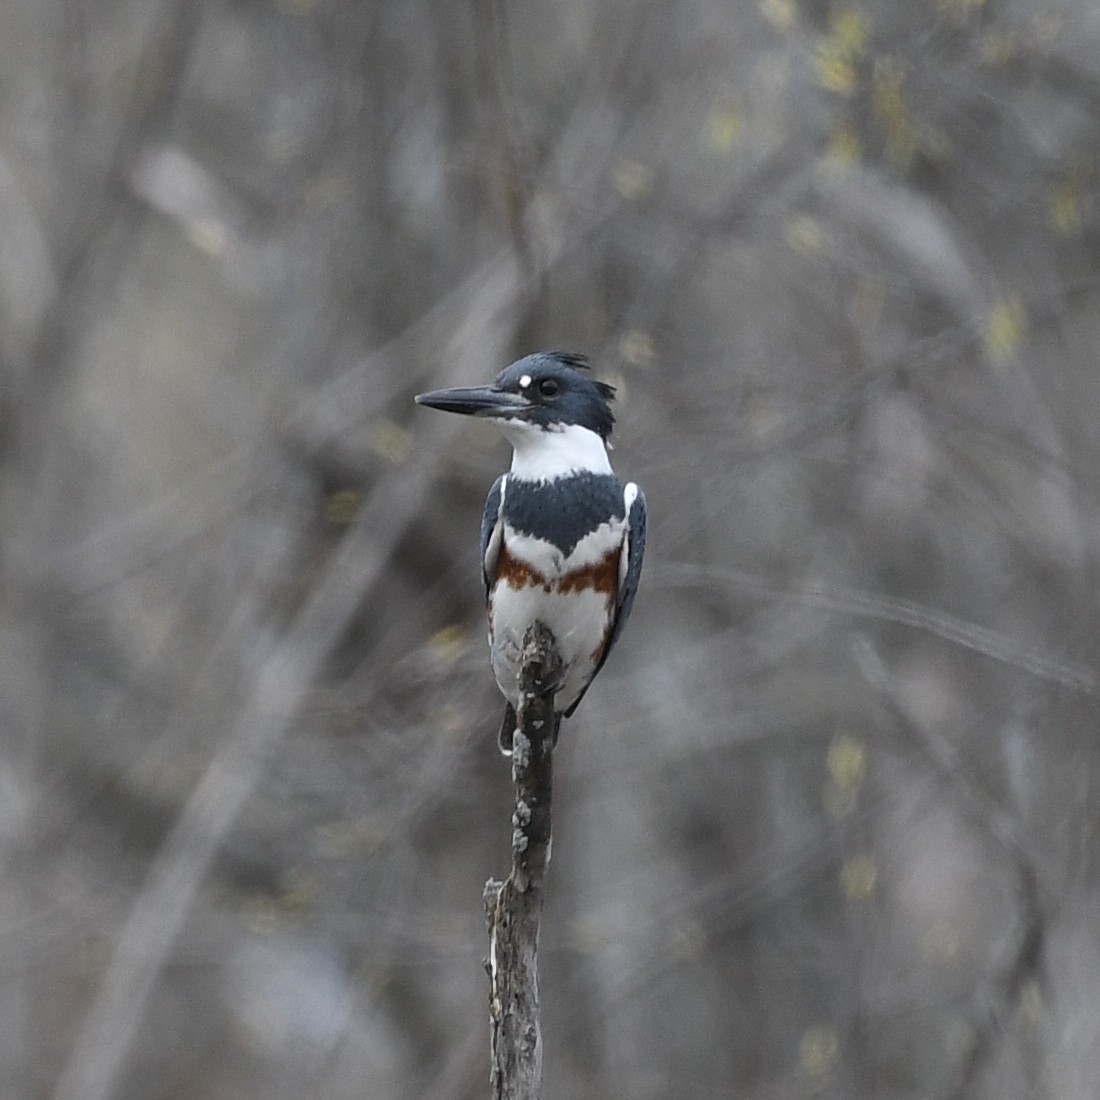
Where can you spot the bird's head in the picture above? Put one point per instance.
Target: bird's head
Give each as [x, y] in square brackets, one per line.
[550, 391]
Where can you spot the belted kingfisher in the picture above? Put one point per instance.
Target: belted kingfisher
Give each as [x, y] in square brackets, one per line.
[562, 539]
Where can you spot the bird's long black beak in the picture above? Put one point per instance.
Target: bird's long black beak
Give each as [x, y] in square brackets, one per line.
[475, 401]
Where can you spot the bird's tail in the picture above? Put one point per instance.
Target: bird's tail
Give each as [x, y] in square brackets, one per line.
[508, 728]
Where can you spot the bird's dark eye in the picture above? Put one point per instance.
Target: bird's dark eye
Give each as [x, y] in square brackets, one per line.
[548, 387]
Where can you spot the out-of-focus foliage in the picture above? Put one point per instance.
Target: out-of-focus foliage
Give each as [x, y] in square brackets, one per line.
[827, 823]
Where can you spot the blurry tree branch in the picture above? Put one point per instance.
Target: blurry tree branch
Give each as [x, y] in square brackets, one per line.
[513, 907]
[513, 170]
[1005, 988]
[279, 690]
[968, 635]
[280, 687]
[104, 219]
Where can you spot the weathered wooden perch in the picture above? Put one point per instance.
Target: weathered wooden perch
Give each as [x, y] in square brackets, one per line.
[513, 907]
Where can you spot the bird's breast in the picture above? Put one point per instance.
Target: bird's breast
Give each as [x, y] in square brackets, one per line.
[557, 573]
[526, 559]
[573, 595]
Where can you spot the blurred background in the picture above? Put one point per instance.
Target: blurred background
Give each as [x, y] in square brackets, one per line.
[827, 823]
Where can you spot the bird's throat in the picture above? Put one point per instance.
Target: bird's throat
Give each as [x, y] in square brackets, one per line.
[543, 454]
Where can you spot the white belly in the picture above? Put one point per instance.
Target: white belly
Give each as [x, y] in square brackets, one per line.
[578, 620]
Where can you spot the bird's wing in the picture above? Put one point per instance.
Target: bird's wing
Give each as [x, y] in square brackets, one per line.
[492, 529]
[630, 571]
[630, 558]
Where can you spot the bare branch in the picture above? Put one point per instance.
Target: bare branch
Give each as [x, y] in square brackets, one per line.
[513, 907]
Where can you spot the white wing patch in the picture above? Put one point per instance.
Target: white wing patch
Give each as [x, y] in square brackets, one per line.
[630, 494]
[496, 535]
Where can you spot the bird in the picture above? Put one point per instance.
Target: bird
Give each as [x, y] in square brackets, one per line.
[562, 538]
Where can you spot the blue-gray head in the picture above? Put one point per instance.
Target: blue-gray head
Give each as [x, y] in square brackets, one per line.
[550, 390]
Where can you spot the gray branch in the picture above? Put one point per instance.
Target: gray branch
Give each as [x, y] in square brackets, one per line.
[513, 907]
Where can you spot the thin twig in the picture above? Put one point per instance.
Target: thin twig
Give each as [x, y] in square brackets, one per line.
[513, 907]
